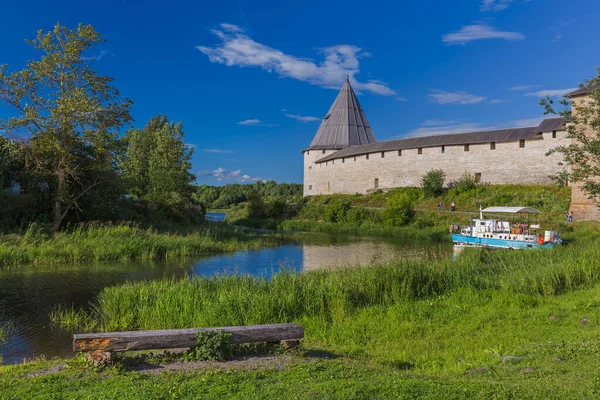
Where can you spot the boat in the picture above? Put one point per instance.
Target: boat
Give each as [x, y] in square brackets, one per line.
[504, 228]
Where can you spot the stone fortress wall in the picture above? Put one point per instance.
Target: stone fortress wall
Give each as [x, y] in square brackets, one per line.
[354, 162]
[507, 163]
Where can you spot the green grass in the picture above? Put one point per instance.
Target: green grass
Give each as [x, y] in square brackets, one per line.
[408, 329]
[125, 242]
[546, 198]
[428, 224]
[331, 295]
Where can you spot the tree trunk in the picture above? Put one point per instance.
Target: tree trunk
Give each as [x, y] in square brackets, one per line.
[59, 214]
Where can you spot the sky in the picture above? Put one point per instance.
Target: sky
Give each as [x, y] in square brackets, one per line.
[251, 80]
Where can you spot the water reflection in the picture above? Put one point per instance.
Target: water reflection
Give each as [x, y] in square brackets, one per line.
[29, 293]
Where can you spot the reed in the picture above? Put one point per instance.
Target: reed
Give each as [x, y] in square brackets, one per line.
[331, 295]
[125, 242]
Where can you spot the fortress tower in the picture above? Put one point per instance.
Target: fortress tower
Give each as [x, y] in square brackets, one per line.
[344, 125]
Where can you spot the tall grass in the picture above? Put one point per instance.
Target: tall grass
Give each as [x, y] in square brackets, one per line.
[124, 242]
[331, 295]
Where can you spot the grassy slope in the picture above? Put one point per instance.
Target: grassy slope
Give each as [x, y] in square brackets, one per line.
[428, 224]
[405, 330]
[124, 242]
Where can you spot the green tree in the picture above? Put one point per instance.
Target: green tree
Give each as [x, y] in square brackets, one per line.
[157, 162]
[582, 155]
[399, 210]
[433, 183]
[71, 115]
[11, 162]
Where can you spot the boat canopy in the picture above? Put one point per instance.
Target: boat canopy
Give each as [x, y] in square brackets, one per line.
[512, 210]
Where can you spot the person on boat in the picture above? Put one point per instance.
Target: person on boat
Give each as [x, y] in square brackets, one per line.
[452, 206]
[440, 206]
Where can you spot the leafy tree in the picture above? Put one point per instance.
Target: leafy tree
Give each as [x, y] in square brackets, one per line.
[71, 115]
[561, 178]
[157, 162]
[465, 183]
[11, 162]
[256, 205]
[399, 210]
[433, 183]
[336, 211]
[583, 154]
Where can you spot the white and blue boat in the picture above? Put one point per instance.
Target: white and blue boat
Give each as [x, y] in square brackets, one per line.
[513, 228]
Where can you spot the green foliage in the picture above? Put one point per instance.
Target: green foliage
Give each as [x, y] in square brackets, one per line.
[465, 184]
[210, 346]
[399, 210]
[433, 183]
[336, 211]
[157, 162]
[220, 197]
[582, 155]
[11, 163]
[256, 205]
[124, 242]
[561, 178]
[71, 115]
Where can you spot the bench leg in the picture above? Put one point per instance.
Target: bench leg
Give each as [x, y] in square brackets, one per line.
[290, 344]
[99, 357]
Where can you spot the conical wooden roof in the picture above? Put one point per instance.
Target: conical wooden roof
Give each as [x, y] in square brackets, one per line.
[344, 125]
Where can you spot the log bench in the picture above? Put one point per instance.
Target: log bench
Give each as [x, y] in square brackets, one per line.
[100, 346]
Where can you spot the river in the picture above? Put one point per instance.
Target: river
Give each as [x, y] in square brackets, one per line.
[29, 293]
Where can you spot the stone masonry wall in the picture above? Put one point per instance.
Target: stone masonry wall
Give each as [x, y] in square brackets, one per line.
[508, 163]
[581, 206]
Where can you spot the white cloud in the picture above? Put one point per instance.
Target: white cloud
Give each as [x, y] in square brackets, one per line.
[495, 5]
[249, 122]
[551, 92]
[217, 151]
[449, 129]
[497, 101]
[522, 87]
[256, 122]
[556, 38]
[302, 118]
[428, 128]
[227, 175]
[231, 28]
[460, 97]
[470, 33]
[437, 122]
[98, 56]
[238, 49]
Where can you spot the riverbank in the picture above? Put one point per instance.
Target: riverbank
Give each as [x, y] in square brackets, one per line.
[505, 324]
[125, 242]
[376, 214]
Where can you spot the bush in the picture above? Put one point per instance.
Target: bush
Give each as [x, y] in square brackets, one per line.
[337, 210]
[210, 346]
[433, 183]
[465, 183]
[399, 210]
[361, 215]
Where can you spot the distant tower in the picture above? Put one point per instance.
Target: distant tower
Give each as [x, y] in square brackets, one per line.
[344, 125]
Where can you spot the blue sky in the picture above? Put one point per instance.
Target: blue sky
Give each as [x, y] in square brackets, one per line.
[251, 79]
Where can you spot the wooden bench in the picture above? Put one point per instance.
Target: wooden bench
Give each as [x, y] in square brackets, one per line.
[100, 345]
